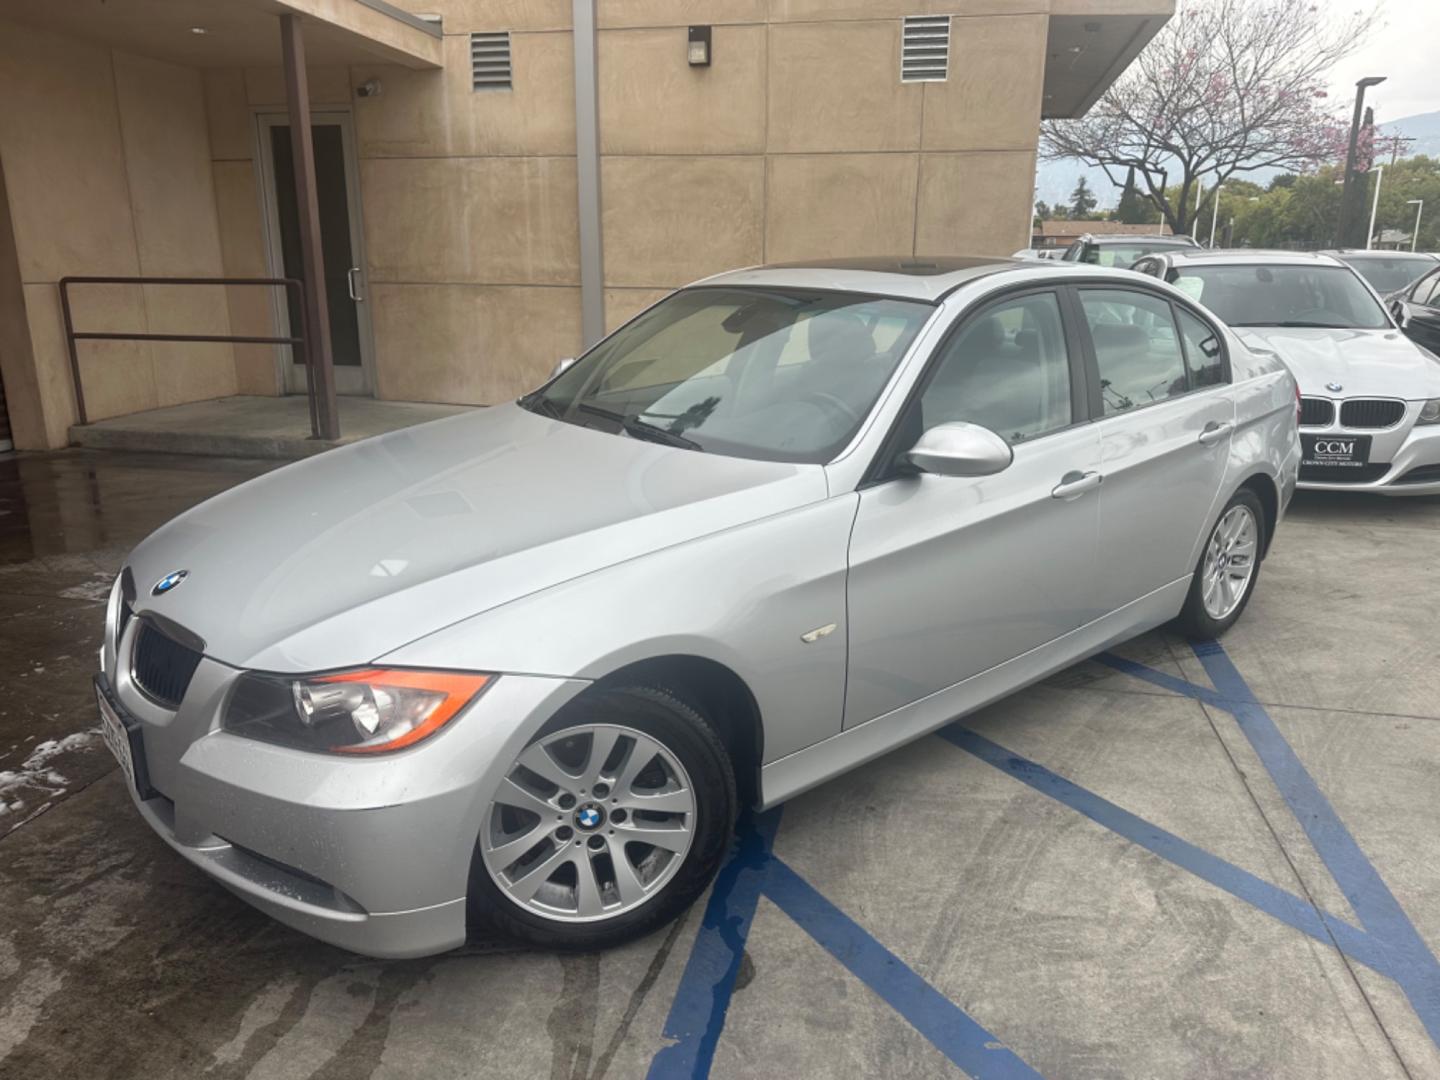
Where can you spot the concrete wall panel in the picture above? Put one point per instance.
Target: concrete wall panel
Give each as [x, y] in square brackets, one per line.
[836, 86]
[669, 220]
[840, 204]
[991, 101]
[474, 220]
[976, 203]
[653, 102]
[471, 344]
[438, 113]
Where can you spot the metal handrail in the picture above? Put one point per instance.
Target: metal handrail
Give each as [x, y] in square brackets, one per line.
[300, 342]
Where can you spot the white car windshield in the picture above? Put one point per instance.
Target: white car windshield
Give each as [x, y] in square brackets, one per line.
[774, 374]
[1264, 295]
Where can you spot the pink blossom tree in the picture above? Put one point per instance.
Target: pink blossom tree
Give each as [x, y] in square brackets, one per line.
[1226, 88]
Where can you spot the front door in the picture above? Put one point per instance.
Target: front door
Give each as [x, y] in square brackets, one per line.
[950, 576]
[345, 287]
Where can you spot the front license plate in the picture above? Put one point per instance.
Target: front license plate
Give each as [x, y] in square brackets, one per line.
[116, 737]
[1335, 451]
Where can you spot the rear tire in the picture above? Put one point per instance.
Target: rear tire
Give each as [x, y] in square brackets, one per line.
[587, 815]
[1227, 571]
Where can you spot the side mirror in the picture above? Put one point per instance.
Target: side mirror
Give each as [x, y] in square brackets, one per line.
[561, 365]
[961, 449]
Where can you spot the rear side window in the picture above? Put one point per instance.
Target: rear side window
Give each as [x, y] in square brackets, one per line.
[1427, 293]
[1204, 352]
[1137, 350]
[1007, 370]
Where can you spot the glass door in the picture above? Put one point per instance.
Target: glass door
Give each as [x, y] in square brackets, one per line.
[345, 287]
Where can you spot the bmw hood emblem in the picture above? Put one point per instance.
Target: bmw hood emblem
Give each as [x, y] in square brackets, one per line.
[169, 581]
[1334, 387]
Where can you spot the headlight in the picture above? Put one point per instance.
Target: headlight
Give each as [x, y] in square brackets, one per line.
[1430, 412]
[352, 712]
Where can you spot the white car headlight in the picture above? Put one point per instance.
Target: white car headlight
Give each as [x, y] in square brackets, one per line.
[1430, 412]
[351, 712]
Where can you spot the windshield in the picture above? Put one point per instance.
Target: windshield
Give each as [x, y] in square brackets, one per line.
[1125, 255]
[1329, 296]
[1390, 273]
[775, 374]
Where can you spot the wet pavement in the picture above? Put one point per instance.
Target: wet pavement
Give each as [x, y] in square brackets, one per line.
[1087, 950]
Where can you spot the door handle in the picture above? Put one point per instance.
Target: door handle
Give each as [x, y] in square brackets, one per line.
[350, 279]
[1214, 432]
[1074, 484]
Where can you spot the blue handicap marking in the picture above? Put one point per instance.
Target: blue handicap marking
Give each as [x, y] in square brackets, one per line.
[1386, 940]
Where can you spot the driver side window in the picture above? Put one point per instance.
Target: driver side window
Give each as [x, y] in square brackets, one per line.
[1007, 369]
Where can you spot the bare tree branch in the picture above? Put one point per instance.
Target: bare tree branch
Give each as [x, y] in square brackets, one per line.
[1228, 87]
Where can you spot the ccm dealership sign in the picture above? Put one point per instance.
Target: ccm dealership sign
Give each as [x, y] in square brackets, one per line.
[1336, 451]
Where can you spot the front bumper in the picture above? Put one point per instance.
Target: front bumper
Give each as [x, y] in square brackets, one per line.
[370, 854]
[1406, 448]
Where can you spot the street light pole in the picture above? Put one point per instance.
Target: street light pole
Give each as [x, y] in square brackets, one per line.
[1419, 205]
[1374, 206]
[1215, 216]
[1360, 88]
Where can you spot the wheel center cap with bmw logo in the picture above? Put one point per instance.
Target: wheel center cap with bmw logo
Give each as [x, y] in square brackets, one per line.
[169, 581]
[589, 817]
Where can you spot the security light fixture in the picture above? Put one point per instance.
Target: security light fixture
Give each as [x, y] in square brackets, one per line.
[698, 50]
[198, 30]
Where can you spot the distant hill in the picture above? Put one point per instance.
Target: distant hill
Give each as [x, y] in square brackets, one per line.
[1055, 180]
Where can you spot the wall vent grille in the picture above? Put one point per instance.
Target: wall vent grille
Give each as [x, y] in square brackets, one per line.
[490, 61]
[925, 48]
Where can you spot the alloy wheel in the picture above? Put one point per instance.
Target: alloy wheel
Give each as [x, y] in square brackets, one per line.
[589, 823]
[1229, 562]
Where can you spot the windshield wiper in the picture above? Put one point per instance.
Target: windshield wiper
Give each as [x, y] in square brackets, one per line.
[640, 429]
[540, 403]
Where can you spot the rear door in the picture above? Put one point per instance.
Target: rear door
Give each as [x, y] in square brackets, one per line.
[1162, 396]
[1420, 312]
[950, 576]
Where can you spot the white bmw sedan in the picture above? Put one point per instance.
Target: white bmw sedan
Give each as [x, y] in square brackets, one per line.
[1370, 407]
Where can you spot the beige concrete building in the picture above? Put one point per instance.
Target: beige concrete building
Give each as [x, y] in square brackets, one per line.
[149, 138]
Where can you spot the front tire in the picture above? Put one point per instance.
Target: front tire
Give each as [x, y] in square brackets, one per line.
[1228, 569]
[608, 824]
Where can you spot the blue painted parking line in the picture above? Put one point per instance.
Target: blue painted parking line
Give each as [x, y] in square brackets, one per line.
[1386, 941]
[697, 1015]
[1285, 906]
[949, 1029]
[1408, 960]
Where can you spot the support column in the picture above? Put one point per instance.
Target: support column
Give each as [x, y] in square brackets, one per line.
[321, 362]
[587, 167]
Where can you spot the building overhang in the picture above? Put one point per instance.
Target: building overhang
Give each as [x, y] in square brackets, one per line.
[1091, 42]
[240, 33]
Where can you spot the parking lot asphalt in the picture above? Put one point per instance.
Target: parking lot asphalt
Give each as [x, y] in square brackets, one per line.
[1164, 862]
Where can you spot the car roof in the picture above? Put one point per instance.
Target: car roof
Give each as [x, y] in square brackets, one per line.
[1249, 257]
[910, 277]
[1138, 238]
[1376, 253]
[903, 277]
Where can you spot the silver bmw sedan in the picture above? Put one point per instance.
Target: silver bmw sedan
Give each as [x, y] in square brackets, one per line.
[520, 668]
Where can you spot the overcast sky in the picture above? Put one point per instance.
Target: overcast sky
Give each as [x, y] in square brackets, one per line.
[1405, 47]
